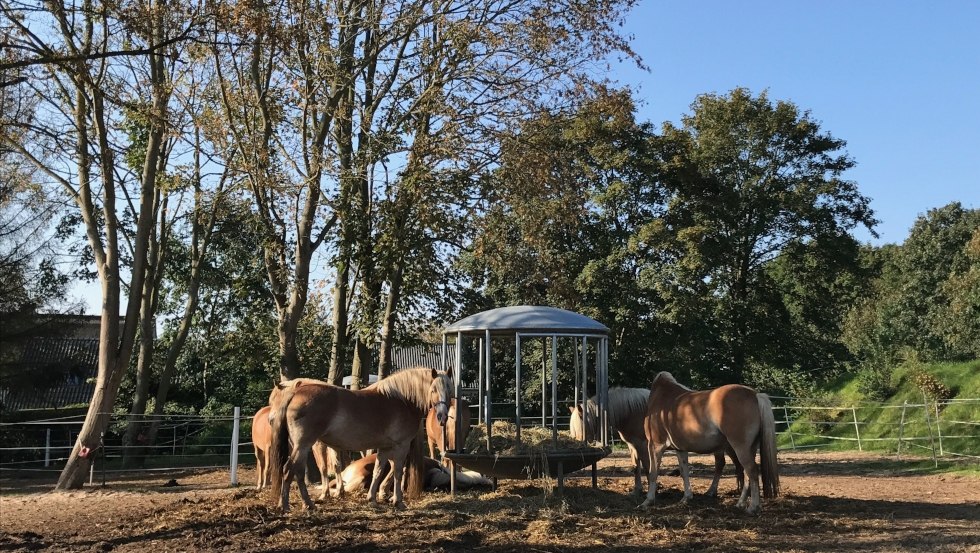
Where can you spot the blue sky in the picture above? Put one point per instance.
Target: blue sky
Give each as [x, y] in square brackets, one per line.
[899, 81]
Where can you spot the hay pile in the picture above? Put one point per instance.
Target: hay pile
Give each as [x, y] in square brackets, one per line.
[534, 439]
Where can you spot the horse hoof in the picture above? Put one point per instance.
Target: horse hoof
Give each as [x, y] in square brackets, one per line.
[399, 506]
[645, 506]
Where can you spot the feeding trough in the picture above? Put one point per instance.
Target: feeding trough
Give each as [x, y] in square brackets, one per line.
[584, 342]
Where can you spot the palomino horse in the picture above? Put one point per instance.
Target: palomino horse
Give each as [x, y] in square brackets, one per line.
[262, 439]
[434, 430]
[384, 416]
[627, 410]
[358, 475]
[712, 421]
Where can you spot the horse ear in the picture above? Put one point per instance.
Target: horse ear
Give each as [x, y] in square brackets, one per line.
[281, 385]
[571, 408]
[435, 373]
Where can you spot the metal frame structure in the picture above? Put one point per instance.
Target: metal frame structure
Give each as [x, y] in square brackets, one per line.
[523, 323]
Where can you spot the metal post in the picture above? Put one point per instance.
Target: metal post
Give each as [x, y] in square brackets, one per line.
[173, 451]
[234, 446]
[479, 383]
[932, 437]
[856, 429]
[544, 369]
[47, 448]
[789, 427]
[445, 353]
[585, 374]
[554, 391]
[517, 393]
[488, 403]
[939, 429]
[457, 390]
[901, 430]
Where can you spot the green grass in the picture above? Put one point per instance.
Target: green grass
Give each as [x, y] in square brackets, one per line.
[883, 420]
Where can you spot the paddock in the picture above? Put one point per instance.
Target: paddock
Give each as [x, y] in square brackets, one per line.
[830, 502]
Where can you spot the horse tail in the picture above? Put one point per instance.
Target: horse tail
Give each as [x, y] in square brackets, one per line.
[767, 449]
[414, 476]
[279, 448]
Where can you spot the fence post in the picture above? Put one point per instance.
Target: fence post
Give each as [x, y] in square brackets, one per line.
[856, 429]
[234, 447]
[789, 427]
[47, 448]
[939, 429]
[901, 430]
[932, 436]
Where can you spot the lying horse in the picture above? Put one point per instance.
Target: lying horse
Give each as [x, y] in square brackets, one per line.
[732, 417]
[358, 476]
[627, 410]
[384, 416]
[261, 440]
[434, 430]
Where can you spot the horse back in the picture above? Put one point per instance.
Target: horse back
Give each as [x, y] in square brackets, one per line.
[702, 421]
[353, 420]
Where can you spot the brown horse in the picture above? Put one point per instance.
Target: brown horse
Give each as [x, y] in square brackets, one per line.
[627, 410]
[325, 457]
[384, 416]
[434, 430]
[712, 421]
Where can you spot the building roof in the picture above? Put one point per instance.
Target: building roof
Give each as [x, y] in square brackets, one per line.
[52, 372]
[527, 318]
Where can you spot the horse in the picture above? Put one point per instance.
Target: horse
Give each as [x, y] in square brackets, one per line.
[358, 476]
[434, 431]
[384, 416]
[627, 409]
[732, 417]
[261, 440]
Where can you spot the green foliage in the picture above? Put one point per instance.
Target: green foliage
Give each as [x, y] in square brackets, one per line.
[951, 381]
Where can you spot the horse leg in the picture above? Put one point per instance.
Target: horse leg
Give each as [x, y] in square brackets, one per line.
[746, 456]
[638, 465]
[299, 464]
[685, 475]
[656, 453]
[739, 471]
[260, 466]
[398, 455]
[381, 461]
[719, 467]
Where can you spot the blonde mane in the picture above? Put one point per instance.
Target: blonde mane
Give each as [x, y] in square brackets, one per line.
[409, 385]
[623, 404]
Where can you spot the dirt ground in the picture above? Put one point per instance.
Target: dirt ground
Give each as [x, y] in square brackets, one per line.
[829, 502]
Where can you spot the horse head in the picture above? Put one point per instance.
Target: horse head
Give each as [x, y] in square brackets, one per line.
[441, 392]
[582, 424]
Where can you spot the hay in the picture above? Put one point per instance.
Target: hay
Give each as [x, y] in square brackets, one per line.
[534, 439]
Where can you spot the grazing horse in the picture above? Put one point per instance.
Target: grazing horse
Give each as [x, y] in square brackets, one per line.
[262, 439]
[627, 410]
[434, 430]
[384, 416]
[712, 421]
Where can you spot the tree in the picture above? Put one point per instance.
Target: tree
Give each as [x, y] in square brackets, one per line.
[747, 179]
[341, 111]
[74, 139]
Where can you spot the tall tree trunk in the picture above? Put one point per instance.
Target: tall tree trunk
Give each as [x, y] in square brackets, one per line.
[385, 365]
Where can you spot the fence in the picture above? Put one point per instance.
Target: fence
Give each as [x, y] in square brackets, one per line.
[40, 448]
[943, 429]
[946, 428]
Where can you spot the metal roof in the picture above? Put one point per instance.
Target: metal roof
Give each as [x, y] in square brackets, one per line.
[527, 318]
